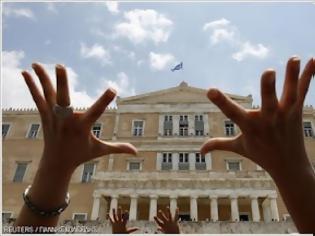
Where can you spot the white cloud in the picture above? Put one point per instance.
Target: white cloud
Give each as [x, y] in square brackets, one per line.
[142, 25]
[112, 7]
[9, 11]
[216, 24]
[15, 91]
[96, 52]
[249, 50]
[122, 85]
[223, 31]
[160, 61]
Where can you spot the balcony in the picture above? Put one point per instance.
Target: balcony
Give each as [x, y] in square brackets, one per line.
[166, 166]
[183, 166]
[200, 166]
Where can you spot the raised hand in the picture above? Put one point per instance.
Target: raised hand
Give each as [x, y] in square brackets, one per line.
[119, 222]
[273, 137]
[166, 222]
[68, 142]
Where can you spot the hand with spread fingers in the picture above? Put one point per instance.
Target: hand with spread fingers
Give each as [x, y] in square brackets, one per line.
[119, 222]
[166, 222]
[273, 138]
[68, 142]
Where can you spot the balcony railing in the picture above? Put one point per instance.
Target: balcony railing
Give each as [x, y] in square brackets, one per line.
[200, 166]
[183, 166]
[166, 166]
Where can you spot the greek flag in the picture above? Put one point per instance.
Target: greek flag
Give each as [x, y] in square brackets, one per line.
[178, 67]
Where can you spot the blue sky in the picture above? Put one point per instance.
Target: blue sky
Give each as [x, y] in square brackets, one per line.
[133, 46]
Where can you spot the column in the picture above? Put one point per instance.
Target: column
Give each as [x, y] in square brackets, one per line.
[266, 210]
[110, 162]
[96, 207]
[176, 125]
[192, 161]
[133, 207]
[206, 124]
[234, 208]
[116, 126]
[214, 208]
[193, 208]
[208, 161]
[255, 209]
[274, 208]
[113, 204]
[173, 204]
[153, 207]
[158, 161]
[161, 125]
[175, 159]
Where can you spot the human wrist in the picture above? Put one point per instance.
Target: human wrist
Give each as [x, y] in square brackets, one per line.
[50, 186]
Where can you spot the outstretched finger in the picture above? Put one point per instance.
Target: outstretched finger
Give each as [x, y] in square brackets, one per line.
[119, 215]
[131, 230]
[110, 219]
[96, 110]
[289, 94]
[63, 98]
[158, 221]
[230, 108]
[176, 217]
[114, 215]
[305, 80]
[168, 213]
[162, 216]
[49, 91]
[37, 97]
[224, 144]
[101, 148]
[268, 92]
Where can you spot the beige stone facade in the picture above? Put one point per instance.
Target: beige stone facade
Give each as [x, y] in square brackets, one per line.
[168, 128]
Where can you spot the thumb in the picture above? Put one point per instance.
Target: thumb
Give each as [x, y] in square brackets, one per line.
[102, 148]
[224, 144]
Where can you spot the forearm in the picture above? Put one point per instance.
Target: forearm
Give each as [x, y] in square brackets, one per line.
[48, 191]
[297, 187]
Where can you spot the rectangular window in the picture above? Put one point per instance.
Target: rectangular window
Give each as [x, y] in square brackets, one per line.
[5, 130]
[183, 158]
[167, 161]
[33, 131]
[168, 125]
[96, 129]
[199, 125]
[234, 165]
[138, 128]
[19, 172]
[200, 163]
[229, 128]
[183, 161]
[134, 165]
[183, 125]
[308, 130]
[79, 216]
[88, 171]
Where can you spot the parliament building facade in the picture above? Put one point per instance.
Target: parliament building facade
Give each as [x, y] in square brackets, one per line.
[168, 128]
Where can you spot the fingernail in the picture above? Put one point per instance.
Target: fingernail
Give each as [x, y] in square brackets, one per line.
[59, 66]
[112, 91]
[34, 65]
[213, 93]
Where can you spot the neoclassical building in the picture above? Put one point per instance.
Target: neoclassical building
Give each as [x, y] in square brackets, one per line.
[168, 127]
